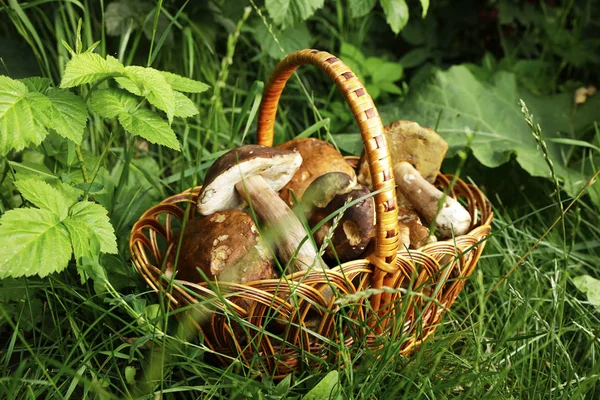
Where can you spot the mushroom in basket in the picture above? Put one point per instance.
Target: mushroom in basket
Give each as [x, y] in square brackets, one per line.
[318, 158]
[424, 149]
[225, 246]
[355, 229]
[253, 174]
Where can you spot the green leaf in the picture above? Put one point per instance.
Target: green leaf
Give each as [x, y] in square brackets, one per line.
[69, 114]
[491, 114]
[288, 12]
[415, 57]
[32, 241]
[184, 107]
[37, 84]
[88, 68]
[388, 72]
[354, 59]
[44, 196]
[109, 103]
[81, 236]
[325, 388]
[130, 374]
[591, 287]
[150, 126]
[154, 87]
[425, 6]
[360, 8]
[396, 14]
[183, 84]
[94, 217]
[288, 40]
[22, 115]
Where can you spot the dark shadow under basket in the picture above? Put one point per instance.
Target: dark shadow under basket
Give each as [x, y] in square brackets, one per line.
[281, 325]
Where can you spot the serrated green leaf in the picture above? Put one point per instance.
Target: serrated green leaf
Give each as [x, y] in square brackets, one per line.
[183, 84]
[154, 87]
[44, 196]
[88, 68]
[95, 218]
[32, 241]
[396, 14]
[288, 12]
[37, 84]
[129, 85]
[150, 126]
[461, 105]
[109, 103]
[22, 115]
[388, 72]
[184, 107]
[360, 8]
[325, 388]
[69, 114]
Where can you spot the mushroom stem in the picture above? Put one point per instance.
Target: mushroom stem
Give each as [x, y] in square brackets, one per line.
[273, 211]
[452, 216]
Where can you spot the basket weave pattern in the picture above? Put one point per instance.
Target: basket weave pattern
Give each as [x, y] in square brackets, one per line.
[277, 326]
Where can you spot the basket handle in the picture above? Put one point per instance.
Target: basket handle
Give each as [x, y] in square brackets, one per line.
[374, 141]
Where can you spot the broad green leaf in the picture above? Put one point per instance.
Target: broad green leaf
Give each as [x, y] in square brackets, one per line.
[288, 12]
[69, 114]
[88, 68]
[37, 84]
[109, 103]
[184, 107]
[360, 8]
[325, 388]
[389, 87]
[396, 14]
[129, 85]
[44, 196]
[491, 114]
[150, 126]
[22, 115]
[183, 84]
[32, 241]
[388, 72]
[95, 218]
[354, 59]
[154, 87]
[425, 6]
[288, 40]
[591, 287]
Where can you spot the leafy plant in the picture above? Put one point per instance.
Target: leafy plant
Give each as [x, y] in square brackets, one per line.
[377, 74]
[40, 240]
[396, 11]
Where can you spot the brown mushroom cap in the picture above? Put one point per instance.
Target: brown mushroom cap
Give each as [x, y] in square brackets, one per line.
[356, 228]
[318, 158]
[276, 166]
[226, 246]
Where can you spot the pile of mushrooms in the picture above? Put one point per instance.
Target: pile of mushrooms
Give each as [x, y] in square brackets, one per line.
[309, 180]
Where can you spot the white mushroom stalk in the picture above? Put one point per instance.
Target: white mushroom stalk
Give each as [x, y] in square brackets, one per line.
[451, 218]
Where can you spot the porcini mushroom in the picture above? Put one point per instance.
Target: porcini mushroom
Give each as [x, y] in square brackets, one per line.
[254, 174]
[355, 229]
[451, 218]
[318, 158]
[225, 246]
[425, 150]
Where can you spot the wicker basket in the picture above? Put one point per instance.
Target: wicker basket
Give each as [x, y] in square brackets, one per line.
[279, 326]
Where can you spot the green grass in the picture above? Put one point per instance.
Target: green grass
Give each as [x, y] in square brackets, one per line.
[519, 329]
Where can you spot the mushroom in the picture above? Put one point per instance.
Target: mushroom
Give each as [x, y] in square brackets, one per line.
[355, 229]
[423, 148]
[451, 218]
[318, 158]
[254, 174]
[225, 246]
